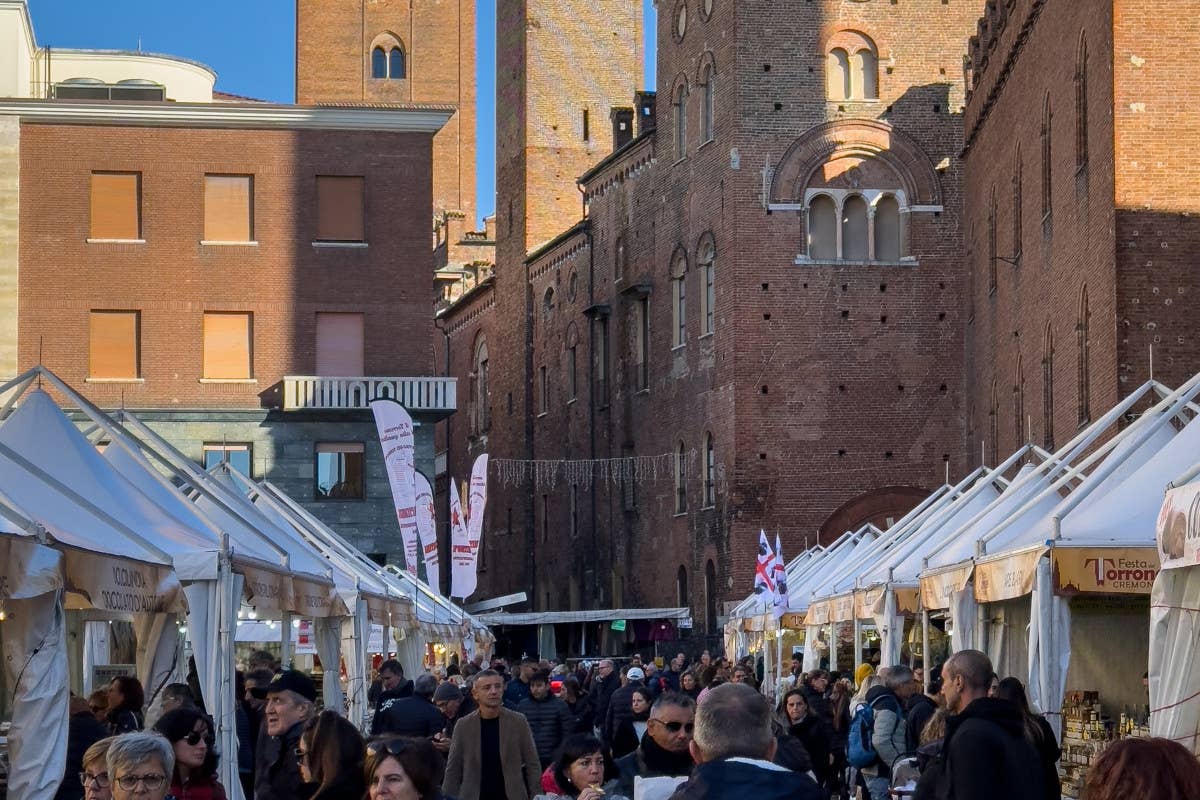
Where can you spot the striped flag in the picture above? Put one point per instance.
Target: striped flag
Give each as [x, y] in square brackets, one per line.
[764, 584]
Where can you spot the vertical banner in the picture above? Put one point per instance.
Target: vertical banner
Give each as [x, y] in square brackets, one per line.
[427, 531]
[764, 586]
[462, 565]
[780, 576]
[396, 436]
[476, 504]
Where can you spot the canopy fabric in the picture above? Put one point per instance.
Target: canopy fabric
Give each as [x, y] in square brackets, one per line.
[1174, 666]
[1049, 647]
[557, 617]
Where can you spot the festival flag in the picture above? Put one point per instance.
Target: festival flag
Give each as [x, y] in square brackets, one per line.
[476, 503]
[427, 531]
[780, 576]
[462, 565]
[764, 586]
[396, 436]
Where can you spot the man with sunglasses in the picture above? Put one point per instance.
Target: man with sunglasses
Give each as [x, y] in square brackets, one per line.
[664, 749]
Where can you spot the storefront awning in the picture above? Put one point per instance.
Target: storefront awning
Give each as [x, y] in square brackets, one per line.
[558, 617]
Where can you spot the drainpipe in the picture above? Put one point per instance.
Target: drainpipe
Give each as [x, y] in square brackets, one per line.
[594, 556]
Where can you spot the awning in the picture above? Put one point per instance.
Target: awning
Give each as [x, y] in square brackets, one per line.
[558, 617]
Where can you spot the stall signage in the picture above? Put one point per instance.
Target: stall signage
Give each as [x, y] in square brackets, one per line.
[842, 608]
[818, 614]
[864, 602]
[618, 625]
[906, 600]
[119, 585]
[937, 587]
[1179, 527]
[686, 622]
[1008, 577]
[103, 674]
[792, 621]
[1104, 570]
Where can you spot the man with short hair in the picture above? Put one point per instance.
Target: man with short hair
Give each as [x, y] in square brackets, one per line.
[549, 717]
[985, 754]
[290, 699]
[492, 755]
[620, 706]
[604, 685]
[733, 747]
[518, 688]
[415, 716]
[395, 688]
[887, 735]
[664, 749]
[671, 675]
[177, 695]
[920, 709]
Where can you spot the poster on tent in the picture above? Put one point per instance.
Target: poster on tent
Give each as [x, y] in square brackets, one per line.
[1179, 527]
[427, 532]
[1104, 570]
[462, 572]
[395, 428]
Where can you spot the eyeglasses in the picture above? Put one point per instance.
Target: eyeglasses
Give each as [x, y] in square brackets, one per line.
[393, 747]
[194, 738]
[100, 780]
[676, 727]
[151, 782]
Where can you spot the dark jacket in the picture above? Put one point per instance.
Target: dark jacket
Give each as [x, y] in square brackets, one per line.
[410, 716]
[745, 779]
[386, 700]
[818, 703]
[1049, 752]
[601, 696]
[515, 691]
[920, 710]
[985, 756]
[124, 720]
[276, 771]
[817, 737]
[620, 708]
[651, 761]
[348, 786]
[583, 716]
[245, 754]
[626, 738]
[671, 678]
[550, 721]
[83, 731]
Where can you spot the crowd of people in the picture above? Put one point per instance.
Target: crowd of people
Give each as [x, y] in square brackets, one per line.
[547, 731]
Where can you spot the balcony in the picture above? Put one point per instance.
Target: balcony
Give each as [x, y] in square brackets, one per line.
[435, 397]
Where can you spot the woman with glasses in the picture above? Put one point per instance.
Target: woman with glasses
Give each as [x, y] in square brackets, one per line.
[190, 734]
[331, 754]
[140, 766]
[403, 769]
[94, 775]
[580, 771]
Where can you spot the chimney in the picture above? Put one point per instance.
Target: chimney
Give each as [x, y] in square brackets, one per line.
[622, 122]
[645, 111]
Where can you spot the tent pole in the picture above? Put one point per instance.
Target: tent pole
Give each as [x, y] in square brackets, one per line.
[285, 640]
[925, 654]
[857, 643]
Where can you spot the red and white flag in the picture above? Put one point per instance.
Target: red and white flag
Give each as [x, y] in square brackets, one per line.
[427, 531]
[780, 578]
[764, 584]
[462, 562]
[476, 503]
[396, 436]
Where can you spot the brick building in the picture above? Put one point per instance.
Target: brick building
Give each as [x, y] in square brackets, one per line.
[1082, 196]
[764, 300]
[238, 274]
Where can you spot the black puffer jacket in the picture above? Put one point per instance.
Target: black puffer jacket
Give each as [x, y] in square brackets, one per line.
[386, 701]
[550, 721]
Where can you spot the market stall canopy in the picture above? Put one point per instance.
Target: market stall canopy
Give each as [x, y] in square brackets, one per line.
[27, 567]
[558, 617]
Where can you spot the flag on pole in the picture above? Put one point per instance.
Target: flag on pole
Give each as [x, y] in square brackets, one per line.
[764, 585]
[476, 504]
[396, 436]
[427, 531]
[780, 576]
[462, 565]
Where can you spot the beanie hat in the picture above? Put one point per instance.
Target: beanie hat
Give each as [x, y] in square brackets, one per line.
[447, 691]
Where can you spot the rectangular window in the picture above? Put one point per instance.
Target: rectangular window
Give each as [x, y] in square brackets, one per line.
[339, 345]
[574, 509]
[113, 345]
[116, 206]
[573, 375]
[340, 208]
[601, 365]
[227, 350]
[545, 518]
[238, 456]
[339, 471]
[228, 208]
[642, 337]
[544, 391]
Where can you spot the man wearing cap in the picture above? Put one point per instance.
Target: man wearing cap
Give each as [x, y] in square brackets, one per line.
[291, 697]
[414, 716]
[620, 707]
[450, 701]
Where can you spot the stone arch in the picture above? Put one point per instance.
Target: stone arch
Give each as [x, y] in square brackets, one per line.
[862, 139]
[874, 507]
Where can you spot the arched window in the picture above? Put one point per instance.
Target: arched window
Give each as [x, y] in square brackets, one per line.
[1019, 432]
[1047, 173]
[1018, 203]
[619, 259]
[396, 64]
[1081, 103]
[680, 479]
[1048, 388]
[681, 587]
[822, 228]
[991, 243]
[855, 231]
[379, 63]
[710, 597]
[864, 75]
[1083, 342]
[837, 74]
[710, 471]
[679, 111]
[481, 416]
[887, 229]
[706, 260]
[708, 81]
[679, 299]
[548, 302]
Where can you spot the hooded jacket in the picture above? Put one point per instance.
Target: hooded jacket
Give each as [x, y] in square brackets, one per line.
[550, 722]
[985, 756]
[742, 778]
[386, 701]
[888, 734]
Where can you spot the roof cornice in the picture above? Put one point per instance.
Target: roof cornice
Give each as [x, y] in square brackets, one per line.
[399, 119]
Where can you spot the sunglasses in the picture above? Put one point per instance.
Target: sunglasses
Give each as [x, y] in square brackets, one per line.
[194, 738]
[392, 747]
[676, 727]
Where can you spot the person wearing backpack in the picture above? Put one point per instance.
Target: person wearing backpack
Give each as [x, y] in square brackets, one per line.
[877, 730]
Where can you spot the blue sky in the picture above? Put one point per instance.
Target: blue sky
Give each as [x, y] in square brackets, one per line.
[252, 46]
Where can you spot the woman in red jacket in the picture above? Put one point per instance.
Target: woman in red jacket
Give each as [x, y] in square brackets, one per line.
[190, 734]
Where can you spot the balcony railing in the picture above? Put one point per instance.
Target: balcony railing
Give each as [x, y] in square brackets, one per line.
[437, 396]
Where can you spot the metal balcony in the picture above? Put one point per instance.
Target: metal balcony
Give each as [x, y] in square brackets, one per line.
[427, 396]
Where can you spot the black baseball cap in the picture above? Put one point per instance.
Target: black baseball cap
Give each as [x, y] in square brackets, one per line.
[291, 680]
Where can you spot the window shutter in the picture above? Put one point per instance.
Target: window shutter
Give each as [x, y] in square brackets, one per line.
[115, 205]
[228, 208]
[113, 351]
[227, 345]
[340, 208]
[340, 345]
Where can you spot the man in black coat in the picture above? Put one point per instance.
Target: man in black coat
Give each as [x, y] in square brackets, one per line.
[663, 751]
[291, 699]
[83, 731]
[921, 708]
[549, 718]
[415, 715]
[604, 684]
[986, 754]
[395, 687]
[620, 706]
